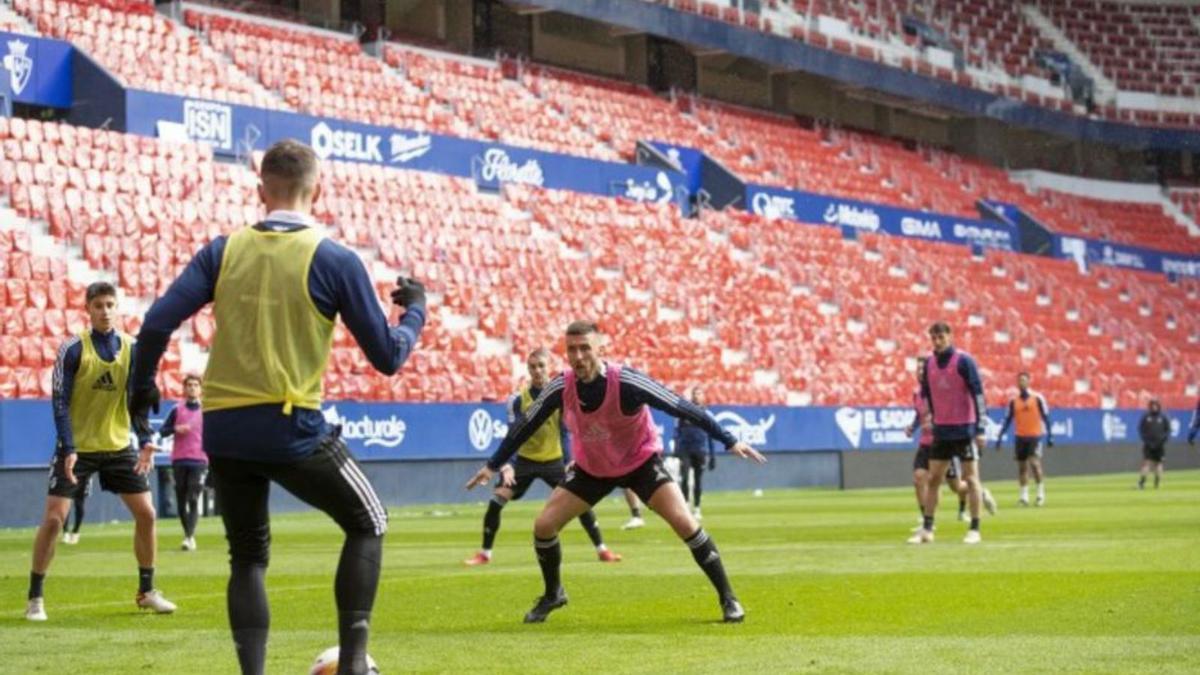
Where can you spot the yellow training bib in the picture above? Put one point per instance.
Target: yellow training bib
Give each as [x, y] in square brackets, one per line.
[99, 405]
[546, 443]
[270, 345]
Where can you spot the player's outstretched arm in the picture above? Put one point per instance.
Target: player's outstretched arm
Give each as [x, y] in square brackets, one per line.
[481, 477]
[744, 451]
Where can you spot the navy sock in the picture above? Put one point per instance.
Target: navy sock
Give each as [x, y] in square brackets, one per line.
[928, 525]
[491, 521]
[705, 553]
[35, 584]
[145, 579]
[549, 557]
[588, 520]
[974, 523]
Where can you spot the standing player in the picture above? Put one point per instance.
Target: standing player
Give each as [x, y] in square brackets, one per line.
[1032, 414]
[1194, 427]
[92, 420]
[188, 461]
[541, 457]
[614, 444]
[1155, 430]
[276, 288]
[71, 528]
[923, 422]
[691, 444]
[953, 393]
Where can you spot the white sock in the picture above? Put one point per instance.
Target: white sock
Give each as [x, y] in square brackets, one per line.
[487, 553]
[1025, 492]
[1042, 490]
[601, 548]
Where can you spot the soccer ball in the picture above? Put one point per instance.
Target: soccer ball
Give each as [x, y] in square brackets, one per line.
[327, 663]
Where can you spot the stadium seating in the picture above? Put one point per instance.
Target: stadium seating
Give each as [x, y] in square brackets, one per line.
[1148, 47]
[120, 33]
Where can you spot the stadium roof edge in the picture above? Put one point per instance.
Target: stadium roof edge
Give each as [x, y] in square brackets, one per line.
[774, 51]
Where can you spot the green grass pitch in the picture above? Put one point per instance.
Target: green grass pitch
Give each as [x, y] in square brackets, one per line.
[1102, 579]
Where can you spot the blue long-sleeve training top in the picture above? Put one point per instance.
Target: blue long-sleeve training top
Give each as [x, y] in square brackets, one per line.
[636, 390]
[970, 373]
[693, 439]
[66, 365]
[338, 284]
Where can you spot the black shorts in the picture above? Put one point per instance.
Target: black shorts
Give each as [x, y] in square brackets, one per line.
[115, 469]
[1024, 448]
[189, 477]
[921, 462]
[962, 449]
[644, 481]
[1154, 453]
[329, 479]
[525, 471]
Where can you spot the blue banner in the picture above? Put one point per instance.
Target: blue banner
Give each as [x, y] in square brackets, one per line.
[38, 70]
[1087, 252]
[428, 431]
[809, 207]
[236, 130]
[690, 160]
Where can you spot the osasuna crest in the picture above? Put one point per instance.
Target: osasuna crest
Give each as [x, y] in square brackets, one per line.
[18, 64]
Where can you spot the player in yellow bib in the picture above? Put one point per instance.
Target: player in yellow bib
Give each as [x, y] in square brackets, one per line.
[540, 457]
[93, 425]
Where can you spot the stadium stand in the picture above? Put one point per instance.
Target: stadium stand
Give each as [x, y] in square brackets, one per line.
[137, 208]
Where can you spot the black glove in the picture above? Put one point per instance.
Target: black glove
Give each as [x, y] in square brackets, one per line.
[408, 292]
[1049, 442]
[712, 463]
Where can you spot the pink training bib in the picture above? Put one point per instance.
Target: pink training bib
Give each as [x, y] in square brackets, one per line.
[189, 445]
[608, 443]
[922, 411]
[952, 400]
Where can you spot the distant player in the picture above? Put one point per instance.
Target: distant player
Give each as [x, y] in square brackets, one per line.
[953, 393]
[277, 289]
[92, 418]
[188, 461]
[924, 423]
[540, 458]
[635, 511]
[615, 444]
[1032, 415]
[1194, 427]
[695, 450]
[75, 521]
[1155, 430]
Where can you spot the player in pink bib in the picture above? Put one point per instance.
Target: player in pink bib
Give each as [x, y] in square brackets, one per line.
[952, 392]
[606, 409]
[188, 461]
[923, 422]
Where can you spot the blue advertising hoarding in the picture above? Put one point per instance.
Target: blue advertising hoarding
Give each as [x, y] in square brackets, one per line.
[433, 431]
[38, 70]
[1087, 252]
[235, 129]
[809, 207]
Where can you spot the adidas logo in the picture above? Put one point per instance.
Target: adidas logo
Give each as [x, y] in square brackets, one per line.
[712, 556]
[105, 382]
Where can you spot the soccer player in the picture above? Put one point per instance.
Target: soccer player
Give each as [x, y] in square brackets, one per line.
[1194, 427]
[188, 461]
[541, 457]
[691, 444]
[92, 421]
[277, 288]
[922, 421]
[952, 391]
[635, 511]
[71, 527]
[1155, 430]
[614, 444]
[1032, 415]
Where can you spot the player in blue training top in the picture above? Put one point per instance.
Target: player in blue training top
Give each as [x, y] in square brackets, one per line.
[277, 288]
